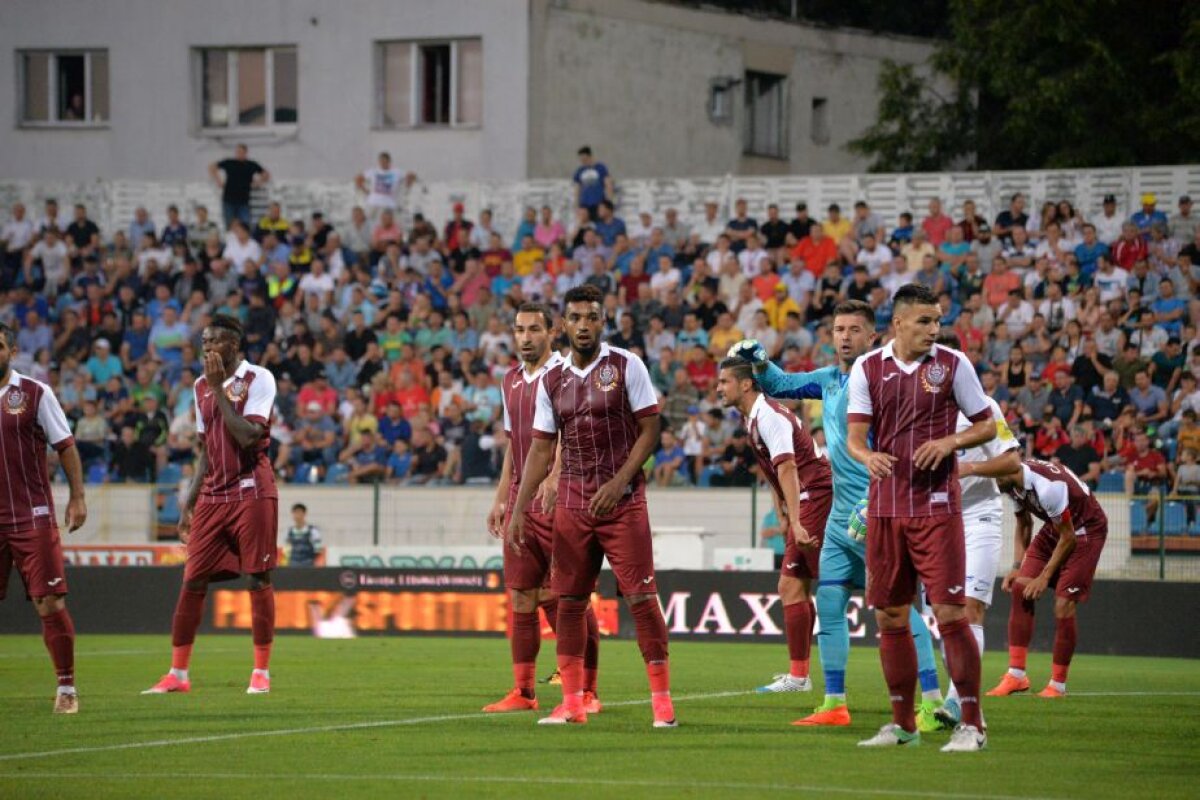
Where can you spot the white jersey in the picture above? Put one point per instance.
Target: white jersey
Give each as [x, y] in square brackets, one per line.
[980, 497]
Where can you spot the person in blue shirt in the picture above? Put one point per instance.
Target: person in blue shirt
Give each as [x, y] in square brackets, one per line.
[1089, 251]
[593, 183]
[1169, 310]
[399, 462]
[1148, 216]
[393, 426]
[608, 226]
[843, 559]
[771, 536]
[668, 461]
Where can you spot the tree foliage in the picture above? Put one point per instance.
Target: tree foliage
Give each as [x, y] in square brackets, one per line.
[1056, 83]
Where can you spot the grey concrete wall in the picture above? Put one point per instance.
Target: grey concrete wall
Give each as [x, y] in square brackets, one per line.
[632, 79]
[154, 105]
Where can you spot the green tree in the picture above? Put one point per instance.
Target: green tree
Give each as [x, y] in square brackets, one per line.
[1057, 84]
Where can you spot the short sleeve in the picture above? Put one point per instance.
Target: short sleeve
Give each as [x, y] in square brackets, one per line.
[504, 408]
[260, 398]
[53, 421]
[545, 426]
[196, 403]
[1052, 495]
[638, 387]
[859, 408]
[776, 433]
[968, 392]
[1005, 438]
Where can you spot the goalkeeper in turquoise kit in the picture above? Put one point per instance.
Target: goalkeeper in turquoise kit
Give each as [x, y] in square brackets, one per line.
[843, 554]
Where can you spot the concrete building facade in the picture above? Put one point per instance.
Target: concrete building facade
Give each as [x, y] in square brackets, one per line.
[457, 89]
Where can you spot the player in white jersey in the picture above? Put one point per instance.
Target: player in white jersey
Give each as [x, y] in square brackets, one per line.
[983, 514]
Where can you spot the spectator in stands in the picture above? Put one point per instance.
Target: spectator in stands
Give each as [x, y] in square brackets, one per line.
[131, 461]
[1012, 218]
[1148, 400]
[366, 459]
[429, 459]
[741, 227]
[381, 184]
[237, 177]
[1080, 457]
[737, 465]
[1149, 215]
[593, 182]
[1049, 438]
[937, 225]
[669, 461]
[1146, 474]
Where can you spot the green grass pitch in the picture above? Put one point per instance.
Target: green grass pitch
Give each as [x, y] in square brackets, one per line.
[398, 717]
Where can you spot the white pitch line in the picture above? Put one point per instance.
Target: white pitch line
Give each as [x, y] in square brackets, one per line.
[559, 781]
[1121, 694]
[351, 726]
[91, 653]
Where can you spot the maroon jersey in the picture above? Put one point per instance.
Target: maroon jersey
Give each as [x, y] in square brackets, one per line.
[30, 419]
[596, 410]
[777, 436]
[235, 474]
[519, 393]
[908, 405]
[1052, 493]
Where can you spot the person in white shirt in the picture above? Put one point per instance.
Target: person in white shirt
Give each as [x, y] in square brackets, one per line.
[240, 249]
[710, 226]
[54, 257]
[1108, 222]
[1056, 308]
[799, 281]
[873, 255]
[639, 230]
[892, 278]
[568, 278]
[657, 339]
[381, 185]
[666, 279]
[318, 281]
[1017, 314]
[752, 256]
[1110, 279]
[761, 330]
[19, 231]
[746, 305]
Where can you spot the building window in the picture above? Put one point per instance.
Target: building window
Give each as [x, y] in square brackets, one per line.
[766, 115]
[429, 83]
[64, 87]
[820, 120]
[251, 87]
[720, 100]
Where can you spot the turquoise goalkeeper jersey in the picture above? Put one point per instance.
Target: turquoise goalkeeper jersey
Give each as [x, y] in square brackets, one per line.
[828, 384]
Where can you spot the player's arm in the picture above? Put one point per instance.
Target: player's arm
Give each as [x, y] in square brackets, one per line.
[789, 481]
[859, 415]
[54, 424]
[790, 385]
[1036, 587]
[193, 493]
[1022, 533]
[495, 518]
[548, 493]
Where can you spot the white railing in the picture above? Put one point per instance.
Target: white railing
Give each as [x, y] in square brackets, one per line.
[111, 203]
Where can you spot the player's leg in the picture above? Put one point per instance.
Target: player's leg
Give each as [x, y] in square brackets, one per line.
[38, 557]
[625, 539]
[983, 543]
[927, 675]
[798, 616]
[525, 573]
[1020, 620]
[1073, 587]
[893, 584]
[255, 527]
[842, 567]
[938, 551]
[577, 557]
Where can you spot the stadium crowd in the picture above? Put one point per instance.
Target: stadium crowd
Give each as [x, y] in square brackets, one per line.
[387, 344]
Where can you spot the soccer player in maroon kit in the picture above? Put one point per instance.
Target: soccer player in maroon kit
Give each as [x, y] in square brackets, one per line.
[231, 516]
[1064, 554]
[802, 485]
[32, 418]
[527, 567]
[599, 402]
[907, 394]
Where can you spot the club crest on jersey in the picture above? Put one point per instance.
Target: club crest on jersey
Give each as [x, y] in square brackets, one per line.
[236, 391]
[14, 401]
[933, 377]
[607, 378]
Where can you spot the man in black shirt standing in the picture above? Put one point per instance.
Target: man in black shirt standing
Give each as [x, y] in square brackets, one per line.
[1080, 457]
[774, 230]
[241, 175]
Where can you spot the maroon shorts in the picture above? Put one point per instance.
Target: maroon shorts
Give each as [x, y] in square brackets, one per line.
[530, 567]
[902, 549]
[804, 562]
[231, 539]
[1072, 580]
[581, 541]
[37, 554]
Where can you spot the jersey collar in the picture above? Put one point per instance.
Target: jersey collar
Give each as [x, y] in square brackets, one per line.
[569, 361]
[759, 404]
[14, 378]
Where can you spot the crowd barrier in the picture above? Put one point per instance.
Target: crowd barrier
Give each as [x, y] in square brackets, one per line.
[1121, 618]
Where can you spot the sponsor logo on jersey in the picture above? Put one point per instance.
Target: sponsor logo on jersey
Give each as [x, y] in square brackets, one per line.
[607, 378]
[41, 511]
[15, 401]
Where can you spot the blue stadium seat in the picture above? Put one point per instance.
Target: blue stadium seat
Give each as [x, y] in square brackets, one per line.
[1172, 445]
[97, 472]
[338, 473]
[307, 473]
[1111, 482]
[1137, 517]
[1175, 519]
[169, 513]
[1194, 528]
[171, 474]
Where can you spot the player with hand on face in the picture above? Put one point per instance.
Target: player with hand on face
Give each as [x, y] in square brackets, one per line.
[802, 487]
[230, 518]
[843, 556]
[527, 567]
[1063, 555]
[907, 396]
[601, 405]
[31, 418]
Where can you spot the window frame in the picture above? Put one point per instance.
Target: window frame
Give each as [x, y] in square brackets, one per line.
[783, 151]
[234, 128]
[415, 92]
[52, 100]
